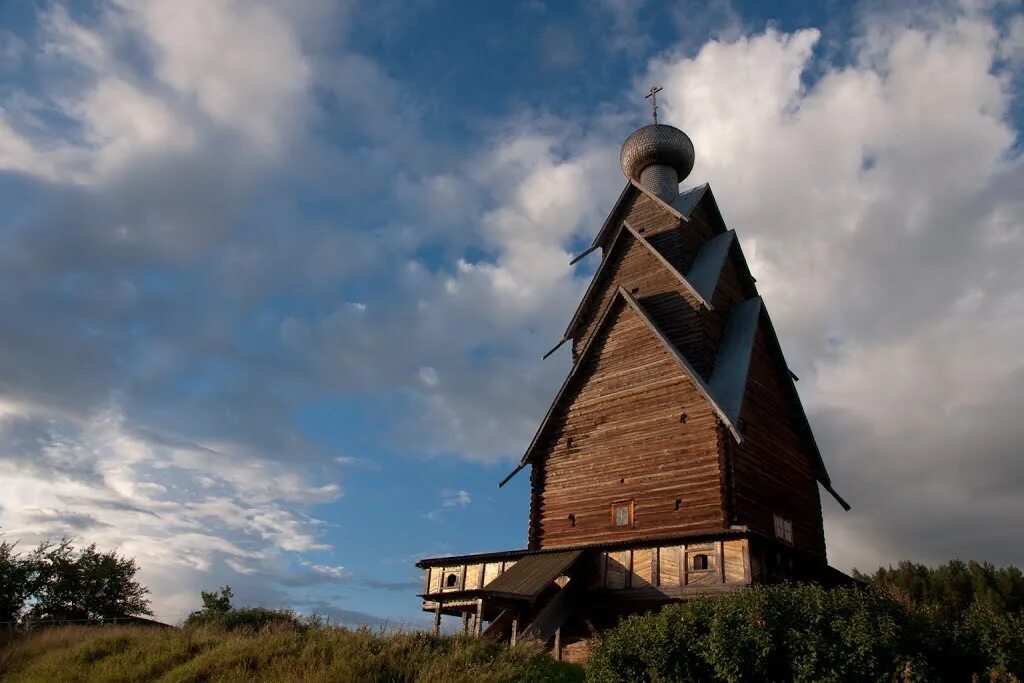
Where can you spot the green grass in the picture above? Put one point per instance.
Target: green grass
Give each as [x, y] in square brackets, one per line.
[281, 653]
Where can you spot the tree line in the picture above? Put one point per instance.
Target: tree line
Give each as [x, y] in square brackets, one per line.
[58, 583]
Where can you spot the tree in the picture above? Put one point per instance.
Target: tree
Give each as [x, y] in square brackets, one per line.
[17, 582]
[217, 603]
[83, 585]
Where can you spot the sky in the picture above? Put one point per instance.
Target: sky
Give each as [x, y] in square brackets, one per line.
[276, 278]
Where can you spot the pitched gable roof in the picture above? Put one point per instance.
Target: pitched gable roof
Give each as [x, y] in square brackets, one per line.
[624, 230]
[621, 295]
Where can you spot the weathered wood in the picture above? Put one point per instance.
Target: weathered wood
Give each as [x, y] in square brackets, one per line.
[437, 619]
[629, 402]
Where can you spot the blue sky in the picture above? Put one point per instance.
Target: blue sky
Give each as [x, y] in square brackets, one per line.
[276, 277]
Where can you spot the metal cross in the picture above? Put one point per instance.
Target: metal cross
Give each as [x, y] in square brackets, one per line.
[653, 95]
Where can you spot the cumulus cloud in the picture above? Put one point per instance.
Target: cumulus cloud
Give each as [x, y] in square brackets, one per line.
[171, 302]
[878, 209]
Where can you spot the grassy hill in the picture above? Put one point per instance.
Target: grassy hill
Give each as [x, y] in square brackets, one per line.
[313, 653]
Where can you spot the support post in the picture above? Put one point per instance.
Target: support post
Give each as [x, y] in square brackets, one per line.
[465, 623]
[558, 644]
[479, 618]
[515, 629]
[437, 618]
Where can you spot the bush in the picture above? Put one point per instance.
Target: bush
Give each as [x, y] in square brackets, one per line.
[807, 633]
[254, 618]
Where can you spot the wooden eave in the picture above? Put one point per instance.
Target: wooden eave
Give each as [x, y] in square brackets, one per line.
[622, 294]
[628, 193]
[626, 228]
[737, 531]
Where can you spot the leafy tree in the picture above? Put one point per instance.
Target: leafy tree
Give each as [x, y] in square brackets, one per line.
[17, 581]
[218, 612]
[215, 602]
[953, 588]
[83, 585]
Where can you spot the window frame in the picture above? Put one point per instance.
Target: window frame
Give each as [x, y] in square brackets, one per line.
[630, 506]
[783, 529]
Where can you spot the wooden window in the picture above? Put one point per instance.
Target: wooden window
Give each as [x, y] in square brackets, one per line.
[784, 529]
[622, 513]
[451, 581]
[700, 563]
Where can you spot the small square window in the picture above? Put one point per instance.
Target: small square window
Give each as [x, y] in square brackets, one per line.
[622, 513]
[784, 529]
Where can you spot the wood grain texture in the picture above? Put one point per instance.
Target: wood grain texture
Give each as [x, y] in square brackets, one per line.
[618, 436]
[772, 471]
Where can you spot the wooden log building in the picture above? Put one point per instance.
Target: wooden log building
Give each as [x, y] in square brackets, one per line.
[676, 459]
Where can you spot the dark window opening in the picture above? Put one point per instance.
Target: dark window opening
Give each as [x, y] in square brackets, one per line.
[635, 290]
[572, 519]
[451, 581]
[700, 562]
[682, 418]
[679, 503]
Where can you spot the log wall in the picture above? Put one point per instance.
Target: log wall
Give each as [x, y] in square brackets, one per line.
[771, 471]
[618, 436]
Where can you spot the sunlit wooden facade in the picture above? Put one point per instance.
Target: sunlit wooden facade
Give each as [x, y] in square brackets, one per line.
[676, 459]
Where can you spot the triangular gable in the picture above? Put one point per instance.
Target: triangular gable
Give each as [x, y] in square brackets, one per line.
[687, 200]
[705, 200]
[624, 296]
[628, 193]
[732, 370]
[624, 230]
[803, 424]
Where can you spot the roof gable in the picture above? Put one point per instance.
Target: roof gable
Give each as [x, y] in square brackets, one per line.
[621, 298]
[622, 237]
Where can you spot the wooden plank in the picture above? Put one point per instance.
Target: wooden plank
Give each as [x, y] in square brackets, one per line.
[643, 568]
[618, 569]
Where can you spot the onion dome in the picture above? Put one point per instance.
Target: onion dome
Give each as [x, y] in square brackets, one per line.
[658, 157]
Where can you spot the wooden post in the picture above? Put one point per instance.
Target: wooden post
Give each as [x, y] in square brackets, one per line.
[437, 618]
[558, 644]
[515, 629]
[720, 569]
[479, 618]
[465, 623]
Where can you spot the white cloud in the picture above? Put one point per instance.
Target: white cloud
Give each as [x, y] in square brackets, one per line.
[459, 498]
[95, 478]
[878, 212]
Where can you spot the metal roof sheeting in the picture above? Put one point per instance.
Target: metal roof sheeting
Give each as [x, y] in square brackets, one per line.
[729, 379]
[707, 267]
[687, 200]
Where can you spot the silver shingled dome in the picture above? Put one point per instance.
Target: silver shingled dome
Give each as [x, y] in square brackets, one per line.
[657, 157]
[657, 145]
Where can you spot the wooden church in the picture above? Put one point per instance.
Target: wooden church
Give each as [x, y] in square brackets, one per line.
[676, 459]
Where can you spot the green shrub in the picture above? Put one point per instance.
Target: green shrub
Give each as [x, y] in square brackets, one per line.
[807, 633]
[254, 618]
